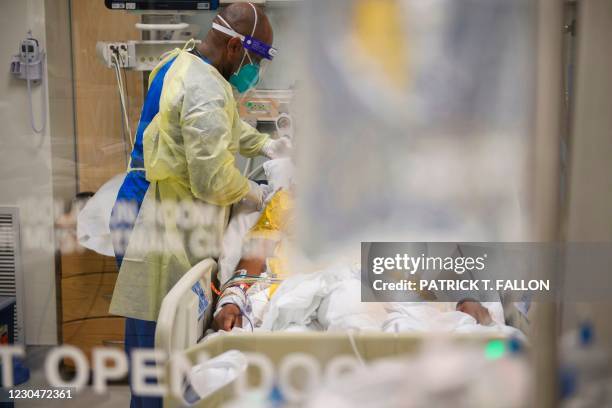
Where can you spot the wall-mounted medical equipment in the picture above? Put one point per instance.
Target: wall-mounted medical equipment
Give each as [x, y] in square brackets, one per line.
[260, 2]
[284, 126]
[162, 31]
[270, 112]
[181, 5]
[167, 5]
[135, 55]
[28, 65]
[267, 107]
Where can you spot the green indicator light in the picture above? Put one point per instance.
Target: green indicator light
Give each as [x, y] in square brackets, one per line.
[495, 349]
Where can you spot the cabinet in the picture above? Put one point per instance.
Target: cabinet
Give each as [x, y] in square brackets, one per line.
[87, 282]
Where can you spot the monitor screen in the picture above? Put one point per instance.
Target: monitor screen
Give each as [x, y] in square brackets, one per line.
[162, 4]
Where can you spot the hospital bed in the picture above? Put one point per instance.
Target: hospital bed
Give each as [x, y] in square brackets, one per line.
[181, 325]
[281, 347]
[186, 313]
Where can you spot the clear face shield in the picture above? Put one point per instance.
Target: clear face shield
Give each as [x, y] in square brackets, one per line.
[257, 56]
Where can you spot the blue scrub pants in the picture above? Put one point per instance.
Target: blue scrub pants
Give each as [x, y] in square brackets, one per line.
[140, 334]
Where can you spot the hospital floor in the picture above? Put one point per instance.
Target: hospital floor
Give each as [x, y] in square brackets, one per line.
[117, 395]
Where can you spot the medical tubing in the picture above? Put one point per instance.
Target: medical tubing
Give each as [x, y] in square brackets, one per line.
[126, 152]
[123, 128]
[44, 93]
[122, 88]
[214, 289]
[122, 102]
[354, 347]
[119, 80]
[127, 88]
[127, 109]
[248, 280]
[246, 317]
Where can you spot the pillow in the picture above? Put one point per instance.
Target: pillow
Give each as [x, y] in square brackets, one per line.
[243, 219]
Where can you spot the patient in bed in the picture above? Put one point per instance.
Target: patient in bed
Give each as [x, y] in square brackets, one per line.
[262, 266]
[325, 300]
[475, 309]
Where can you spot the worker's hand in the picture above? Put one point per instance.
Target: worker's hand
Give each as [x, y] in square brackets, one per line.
[228, 318]
[256, 195]
[277, 148]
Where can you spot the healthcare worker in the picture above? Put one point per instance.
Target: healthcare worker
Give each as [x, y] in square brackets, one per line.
[173, 206]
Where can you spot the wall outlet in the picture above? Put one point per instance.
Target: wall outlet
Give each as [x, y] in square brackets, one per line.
[106, 51]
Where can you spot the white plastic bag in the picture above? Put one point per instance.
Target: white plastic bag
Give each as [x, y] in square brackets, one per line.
[93, 221]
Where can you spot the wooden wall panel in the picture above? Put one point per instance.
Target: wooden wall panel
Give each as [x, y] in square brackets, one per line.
[87, 296]
[100, 146]
[87, 334]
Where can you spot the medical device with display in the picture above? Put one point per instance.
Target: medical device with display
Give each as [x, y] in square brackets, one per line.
[169, 5]
[28, 65]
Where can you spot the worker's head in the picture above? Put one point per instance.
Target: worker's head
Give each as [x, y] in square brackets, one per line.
[236, 58]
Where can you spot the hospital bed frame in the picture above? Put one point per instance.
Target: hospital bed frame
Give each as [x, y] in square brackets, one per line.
[181, 325]
[181, 321]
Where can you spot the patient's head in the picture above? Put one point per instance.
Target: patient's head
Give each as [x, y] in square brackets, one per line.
[476, 310]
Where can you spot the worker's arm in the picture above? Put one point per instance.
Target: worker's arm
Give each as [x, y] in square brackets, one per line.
[251, 140]
[207, 133]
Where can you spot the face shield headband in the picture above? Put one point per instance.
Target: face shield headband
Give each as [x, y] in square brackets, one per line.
[248, 42]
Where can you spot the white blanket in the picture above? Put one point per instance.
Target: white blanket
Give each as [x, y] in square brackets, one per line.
[442, 318]
[330, 298]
